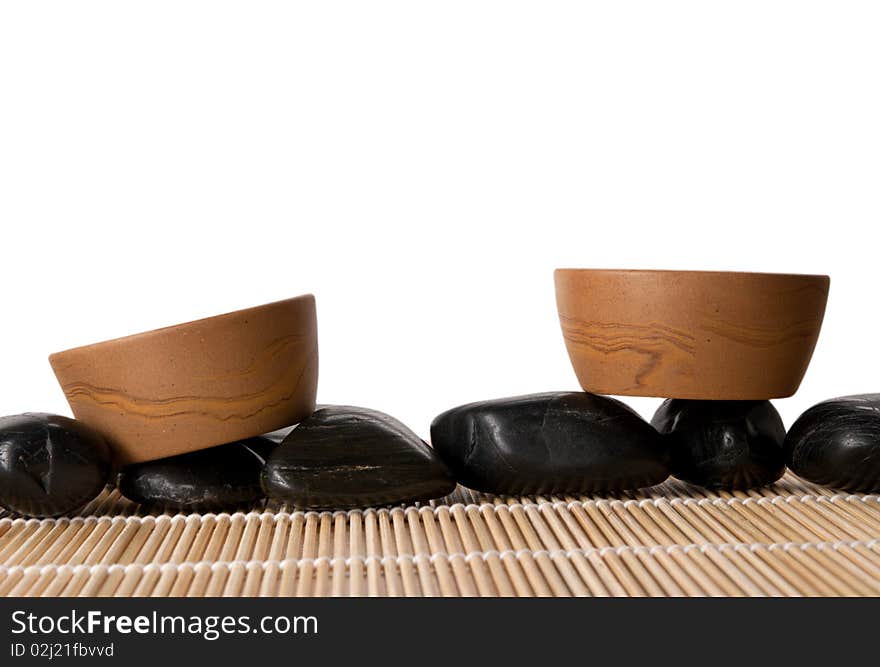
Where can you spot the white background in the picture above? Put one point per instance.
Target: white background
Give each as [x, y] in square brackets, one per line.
[422, 168]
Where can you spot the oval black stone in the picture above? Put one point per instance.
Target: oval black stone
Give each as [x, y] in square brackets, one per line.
[562, 442]
[837, 443]
[344, 457]
[213, 479]
[50, 465]
[723, 444]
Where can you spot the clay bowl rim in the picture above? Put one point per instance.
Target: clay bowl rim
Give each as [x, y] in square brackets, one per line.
[233, 314]
[695, 273]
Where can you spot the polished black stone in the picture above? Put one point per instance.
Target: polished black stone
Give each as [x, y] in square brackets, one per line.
[50, 465]
[343, 457]
[218, 478]
[837, 443]
[550, 443]
[723, 444]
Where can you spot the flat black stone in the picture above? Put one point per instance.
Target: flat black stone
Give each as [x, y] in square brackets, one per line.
[344, 457]
[837, 443]
[226, 477]
[723, 444]
[50, 465]
[563, 442]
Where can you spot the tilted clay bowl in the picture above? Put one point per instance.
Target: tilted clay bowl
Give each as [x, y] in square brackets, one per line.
[199, 384]
[690, 334]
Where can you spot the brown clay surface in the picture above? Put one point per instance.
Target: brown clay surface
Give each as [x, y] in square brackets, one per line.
[199, 384]
[690, 334]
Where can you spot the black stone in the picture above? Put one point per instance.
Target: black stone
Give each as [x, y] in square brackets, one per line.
[50, 465]
[723, 444]
[218, 478]
[837, 443]
[344, 457]
[550, 443]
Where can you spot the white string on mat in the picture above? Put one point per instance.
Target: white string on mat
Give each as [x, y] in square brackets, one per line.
[467, 556]
[436, 510]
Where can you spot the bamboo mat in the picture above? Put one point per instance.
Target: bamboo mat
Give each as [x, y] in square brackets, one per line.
[790, 539]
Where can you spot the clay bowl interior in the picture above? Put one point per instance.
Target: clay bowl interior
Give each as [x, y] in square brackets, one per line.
[199, 384]
[690, 334]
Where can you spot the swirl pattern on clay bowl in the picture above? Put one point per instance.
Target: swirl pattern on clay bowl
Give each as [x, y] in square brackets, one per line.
[195, 385]
[707, 335]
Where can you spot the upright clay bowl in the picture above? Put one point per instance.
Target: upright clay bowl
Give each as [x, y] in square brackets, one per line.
[199, 384]
[690, 334]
